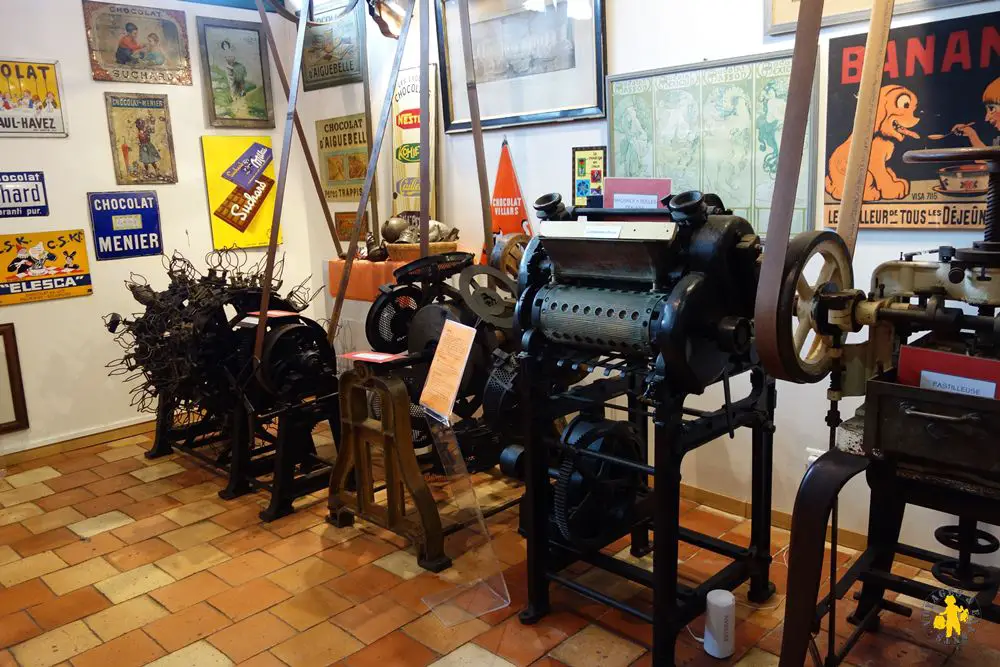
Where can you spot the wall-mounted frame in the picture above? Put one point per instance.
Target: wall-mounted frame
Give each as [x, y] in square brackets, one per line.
[238, 4]
[713, 127]
[334, 51]
[590, 166]
[31, 99]
[13, 410]
[235, 74]
[780, 16]
[533, 65]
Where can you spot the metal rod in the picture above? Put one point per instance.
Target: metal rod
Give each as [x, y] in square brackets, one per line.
[477, 125]
[599, 597]
[625, 463]
[310, 161]
[713, 544]
[425, 128]
[367, 91]
[366, 190]
[279, 197]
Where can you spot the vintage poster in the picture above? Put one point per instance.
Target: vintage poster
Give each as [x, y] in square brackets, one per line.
[235, 73]
[38, 266]
[713, 127]
[588, 172]
[142, 144]
[137, 44]
[240, 218]
[22, 194]
[345, 225]
[31, 101]
[343, 146]
[782, 15]
[126, 224]
[940, 89]
[406, 144]
[332, 54]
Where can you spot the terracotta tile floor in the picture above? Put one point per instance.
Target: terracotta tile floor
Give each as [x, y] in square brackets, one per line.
[107, 559]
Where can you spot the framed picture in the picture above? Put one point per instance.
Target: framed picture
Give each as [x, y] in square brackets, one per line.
[713, 127]
[405, 115]
[142, 145]
[343, 148]
[137, 44]
[240, 216]
[780, 16]
[589, 169]
[239, 4]
[535, 62]
[333, 53]
[235, 74]
[39, 266]
[31, 99]
[13, 411]
[345, 225]
[923, 103]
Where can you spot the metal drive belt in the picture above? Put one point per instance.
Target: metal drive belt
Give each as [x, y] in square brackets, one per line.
[791, 150]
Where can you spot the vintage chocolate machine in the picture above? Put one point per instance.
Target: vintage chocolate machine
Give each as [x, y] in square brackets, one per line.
[657, 304]
[386, 439]
[190, 352]
[917, 445]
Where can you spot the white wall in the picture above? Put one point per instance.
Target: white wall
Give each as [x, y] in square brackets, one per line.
[62, 343]
[648, 34]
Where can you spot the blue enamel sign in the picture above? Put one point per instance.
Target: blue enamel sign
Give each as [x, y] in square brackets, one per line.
[22, 194]
[126, 224]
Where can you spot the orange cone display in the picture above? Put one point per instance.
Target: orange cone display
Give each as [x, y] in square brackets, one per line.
[510, 216]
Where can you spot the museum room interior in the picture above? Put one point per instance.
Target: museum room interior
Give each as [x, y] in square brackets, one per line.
[596, 333]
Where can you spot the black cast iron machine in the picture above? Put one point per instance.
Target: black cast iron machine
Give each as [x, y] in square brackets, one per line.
[918, 445]
[659, 302]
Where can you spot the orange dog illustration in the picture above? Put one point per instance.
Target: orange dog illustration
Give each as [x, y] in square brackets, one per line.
[893, 120]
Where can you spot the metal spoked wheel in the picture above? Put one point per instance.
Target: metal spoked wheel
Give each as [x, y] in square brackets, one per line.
[817, 259]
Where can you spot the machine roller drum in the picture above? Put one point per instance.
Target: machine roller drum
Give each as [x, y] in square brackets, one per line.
[594, 498]
[805, 358]
[609, 320]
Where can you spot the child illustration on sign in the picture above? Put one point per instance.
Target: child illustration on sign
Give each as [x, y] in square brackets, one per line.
[149, 156]
[236, 72]
[129, 48]
[50, 103]
[154, 53]
[22, 260]
[894, 116]
[991, 99]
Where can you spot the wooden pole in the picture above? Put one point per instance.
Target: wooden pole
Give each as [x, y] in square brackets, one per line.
[864, 123]
[477, 125]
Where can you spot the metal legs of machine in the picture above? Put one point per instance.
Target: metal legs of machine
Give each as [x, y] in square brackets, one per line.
[600, 494]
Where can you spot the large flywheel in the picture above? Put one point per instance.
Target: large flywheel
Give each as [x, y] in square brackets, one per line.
[815, 260]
